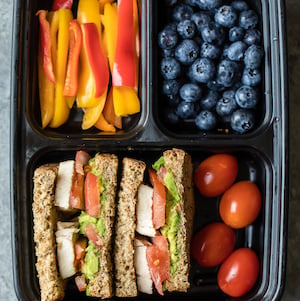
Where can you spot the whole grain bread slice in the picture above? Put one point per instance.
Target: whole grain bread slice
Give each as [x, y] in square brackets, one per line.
[179, 163]
[44, 226]
[102, 283]
[125, 277]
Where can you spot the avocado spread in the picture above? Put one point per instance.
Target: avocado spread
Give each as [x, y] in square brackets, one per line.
[170, 229]
[91, 259]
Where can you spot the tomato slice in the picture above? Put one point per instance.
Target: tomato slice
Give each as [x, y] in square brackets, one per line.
[82, 158]
[80, 282]
[91, 233]
[159, 200]
[92, 195]
[79, 247]
[158, 258]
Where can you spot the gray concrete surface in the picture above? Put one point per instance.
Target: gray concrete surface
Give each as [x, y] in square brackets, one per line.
[292, 288]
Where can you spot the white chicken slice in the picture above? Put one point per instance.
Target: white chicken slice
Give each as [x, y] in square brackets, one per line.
[143, 276]
[66, 236]
[66, 173]
[144, 211]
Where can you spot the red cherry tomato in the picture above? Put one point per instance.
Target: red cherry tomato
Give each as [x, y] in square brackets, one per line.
[216, 174]
[239, 272]
[240, 204]
[212, 244]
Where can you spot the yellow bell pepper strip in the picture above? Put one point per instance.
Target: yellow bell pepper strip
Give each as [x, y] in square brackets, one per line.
[123, 73]
[57, 4]
[46, 92]
[88, 12]
[102, 4]
[103, 125]
[109, 112]
[61, 108]
[110, 22]
[71, 81]
[45, 40]
[96, 58]
[91, 115]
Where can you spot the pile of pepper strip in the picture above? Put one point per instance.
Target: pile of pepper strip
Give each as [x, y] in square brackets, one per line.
[91, 62]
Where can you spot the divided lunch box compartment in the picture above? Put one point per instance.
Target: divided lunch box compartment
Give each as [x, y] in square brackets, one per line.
[262, 153]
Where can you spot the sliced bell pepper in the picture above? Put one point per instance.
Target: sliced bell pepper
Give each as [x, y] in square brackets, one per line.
[71, 81]
[61, 108]
[96, 58]
[102, 3]
[124, 71]
[46, 92]
[103, 125]
[109, 112]
[45, 40]
[57, 4]
[91, 115]
[110, 22]
[88, 12]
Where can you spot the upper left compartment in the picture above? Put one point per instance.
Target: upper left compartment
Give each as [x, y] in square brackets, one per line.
[110, 81]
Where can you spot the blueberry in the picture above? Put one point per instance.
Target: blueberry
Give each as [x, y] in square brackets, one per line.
[186, 29]
[187, 51]
[239, 5]
[200, 19]
[167, 53]
[182, 12]
[248, 19]
[171, 2]
[227, 73]
[210, 51]
[170, 68]
[170, 87]
[225, 51]
[252, 36]
[206, 120]
[192, 2]
[172, 26]
[251, 77]
[190, 92]
[253, 56]
[236, 51]
[226, 16]
[246, 97]
[214, 86]
[170, 116]
[209, 101]
[236, 33]
[209, 4]
[167, 38]
[202, 70]
[242, 121]
[212, 33]
[227, 104]
[186, 110]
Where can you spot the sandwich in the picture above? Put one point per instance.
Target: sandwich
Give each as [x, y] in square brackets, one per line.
[73, 216]
[154, 226]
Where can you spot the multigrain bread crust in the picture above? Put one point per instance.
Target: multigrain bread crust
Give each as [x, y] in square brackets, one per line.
[180, 164]
[102, 284]
[44, 223]
[125, 278]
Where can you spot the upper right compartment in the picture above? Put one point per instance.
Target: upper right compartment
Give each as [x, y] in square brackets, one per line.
[211, 67]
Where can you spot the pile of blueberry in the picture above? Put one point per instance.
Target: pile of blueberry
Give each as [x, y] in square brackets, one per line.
[211, 57]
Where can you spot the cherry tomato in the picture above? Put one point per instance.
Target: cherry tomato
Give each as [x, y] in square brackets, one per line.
[212, 244]
[239, 272]
[240, 204]
[216, 174]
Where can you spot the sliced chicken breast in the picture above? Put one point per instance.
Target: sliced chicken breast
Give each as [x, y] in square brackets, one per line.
[144, 211]
[144, 281]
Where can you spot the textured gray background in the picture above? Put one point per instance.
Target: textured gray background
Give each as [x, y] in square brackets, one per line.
[292, 288]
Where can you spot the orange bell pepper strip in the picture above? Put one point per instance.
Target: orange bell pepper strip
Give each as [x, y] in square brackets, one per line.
[109, 112]
[45, 40]
[103, 125]
[71, 81]
[61, 108]
[124, 70]
[57, 4]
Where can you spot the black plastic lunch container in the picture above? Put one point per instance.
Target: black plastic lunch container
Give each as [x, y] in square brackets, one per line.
[262, 153]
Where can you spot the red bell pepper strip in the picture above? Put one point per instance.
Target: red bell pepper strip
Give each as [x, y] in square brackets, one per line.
[71, 81]
[96, 57]
[124, 70]
[57, 4]
[46, 45]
